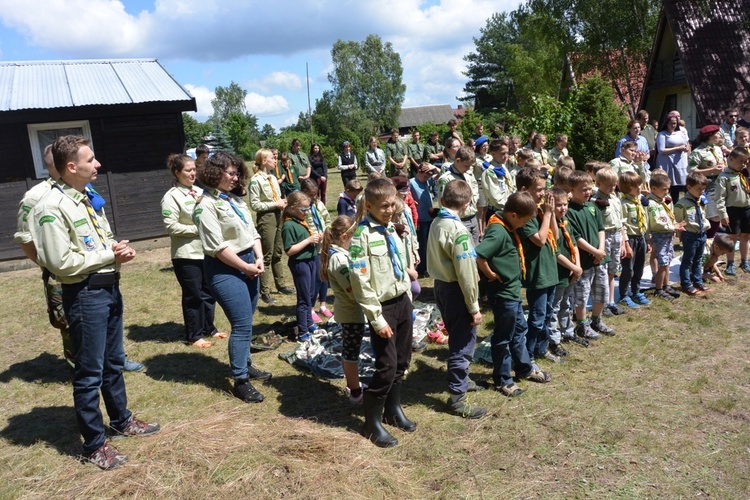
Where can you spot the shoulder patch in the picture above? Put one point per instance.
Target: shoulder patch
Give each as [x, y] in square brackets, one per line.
[47, 218]
[358, 231]
[78, 223]
[355, 251]
[461, 238]
[198, 211]
[166, 213]
[377, 243]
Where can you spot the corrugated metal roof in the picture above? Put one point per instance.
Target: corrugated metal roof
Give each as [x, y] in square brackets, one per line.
[62, 84]
[438, 114]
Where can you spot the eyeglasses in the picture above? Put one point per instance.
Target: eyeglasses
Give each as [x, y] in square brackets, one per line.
[304, 209]
[232, 174]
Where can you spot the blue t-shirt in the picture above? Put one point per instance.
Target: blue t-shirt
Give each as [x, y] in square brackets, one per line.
[422, 194]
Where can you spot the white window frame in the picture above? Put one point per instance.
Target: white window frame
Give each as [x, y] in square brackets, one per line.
[37, 148]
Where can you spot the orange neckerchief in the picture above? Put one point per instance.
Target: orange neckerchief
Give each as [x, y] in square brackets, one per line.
[568, 240]
[550, 233]
[301, 222]
[273, 189]
[519, 247]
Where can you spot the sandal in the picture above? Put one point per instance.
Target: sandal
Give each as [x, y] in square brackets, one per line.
[201, 344]
[220, 335]
[437, 338]
[511, 390]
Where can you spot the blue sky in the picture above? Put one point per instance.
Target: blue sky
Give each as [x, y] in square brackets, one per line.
[261, 45]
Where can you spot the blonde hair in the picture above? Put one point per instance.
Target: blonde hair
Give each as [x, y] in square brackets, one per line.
[606, 174]
[259, 159]
[340, 226]
[293, 200]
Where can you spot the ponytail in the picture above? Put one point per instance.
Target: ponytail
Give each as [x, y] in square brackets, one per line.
[333, 234]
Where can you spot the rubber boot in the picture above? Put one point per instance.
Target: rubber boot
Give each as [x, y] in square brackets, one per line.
[393, 414]
[459, 406]
[373, 429]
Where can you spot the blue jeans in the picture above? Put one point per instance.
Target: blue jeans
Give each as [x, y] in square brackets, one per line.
[321, 287]
[237, 294]
[95, 323]
[462, 336]
[304, 273]
[541, 306]
[691, 266]
[508, 342]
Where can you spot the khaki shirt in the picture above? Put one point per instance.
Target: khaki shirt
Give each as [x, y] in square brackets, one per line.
[451, 256]
[27, 203]
[432, 149]
[612, 215]
[686, 210]
[65, 238]
[372, 276]
[660, 215]
[515, 168]
[555, 154]
[470, 179]
[301, 161]
[705, 156]
[347, 308]
[496, 189]
[416, 151]
[630, 216]
[261, 192]
[396, 150]
[177, 207]
[543, 156]
[729, 192]
[220, 227]
[621, 165]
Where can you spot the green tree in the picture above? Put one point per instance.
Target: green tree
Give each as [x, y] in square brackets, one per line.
[267, 131]
[228, 100]
[195, 131]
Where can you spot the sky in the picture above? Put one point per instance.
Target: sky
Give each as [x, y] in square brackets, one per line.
[263, 46]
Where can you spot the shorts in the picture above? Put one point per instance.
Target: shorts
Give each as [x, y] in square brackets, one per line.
[739, 220]
[662, 248]
[613, 247]
[593, 283]
[352, 334]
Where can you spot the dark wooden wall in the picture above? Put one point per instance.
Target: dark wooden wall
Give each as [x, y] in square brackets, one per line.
[133, 177]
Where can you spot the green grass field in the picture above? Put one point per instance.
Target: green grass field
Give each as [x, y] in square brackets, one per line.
[660, 410]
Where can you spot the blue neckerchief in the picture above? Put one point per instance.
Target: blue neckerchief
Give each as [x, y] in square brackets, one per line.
[454, 172]
[316, 218]
[486, 165]
[392, 249]
[236, 209]
[500, 171]
[446, 214]
[97, 202]
[410, 221]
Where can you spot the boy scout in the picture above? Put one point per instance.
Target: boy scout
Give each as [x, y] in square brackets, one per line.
[690, 209]
[381, 286]
[300, 160]
[451, 261]
[416, 152]
[733, 205]
[75, 243]
[496, 179]
[462, 169]
[626, 162]
[396, 156]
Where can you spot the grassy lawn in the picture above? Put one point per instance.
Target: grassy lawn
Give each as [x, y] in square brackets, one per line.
[660, 410]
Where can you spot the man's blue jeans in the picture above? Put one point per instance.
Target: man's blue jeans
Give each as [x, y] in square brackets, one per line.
[691, 267]
[541, 306]
[508, 342]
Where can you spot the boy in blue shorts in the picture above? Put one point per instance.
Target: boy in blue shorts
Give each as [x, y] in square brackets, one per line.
[662, 226]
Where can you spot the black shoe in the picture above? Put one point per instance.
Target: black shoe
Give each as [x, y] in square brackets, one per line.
[557, 349]
[459, 406]
[393, 414]
[286, 290]
[256, 374]
[245, 391]
[418, 346]
[373, 429]
[578, 340]
[602, 328]
[266, 297]
[671, 291]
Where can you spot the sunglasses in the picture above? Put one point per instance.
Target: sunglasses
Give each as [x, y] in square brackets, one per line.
[304, 209]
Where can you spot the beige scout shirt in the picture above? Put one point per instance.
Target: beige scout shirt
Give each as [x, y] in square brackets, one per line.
[729, 192]
[451, 256]
[478, 171]
[65, 238]
[496, 189]
[27, 203]
[261, 192]
[630, 216]
[612, 214]
[470, 179]
[686, 210]
[660, 215]
[372, 276]
[347, 308]
[220, 227]
[177, 207]
[705, 156]
[621, 165]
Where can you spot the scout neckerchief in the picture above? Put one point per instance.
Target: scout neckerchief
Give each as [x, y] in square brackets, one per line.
[519, 247]
[96, 199]
[392, 248]
[445, 214]
[316, 218]
[301, 222]
[568, 240]
[224, 196]
[500, 171]
[191, 192]
[550, 234]
[278, 172]
[640, 213]
[273, 189]
[88, 203]
[718, 157]
[743, 180]
[667, 209]
[290, 175]
[698, 213]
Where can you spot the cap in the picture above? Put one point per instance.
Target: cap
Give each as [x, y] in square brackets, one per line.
[345, 143]
[709, 129]
[480, 141]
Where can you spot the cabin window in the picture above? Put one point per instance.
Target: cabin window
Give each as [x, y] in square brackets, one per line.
[42, 134]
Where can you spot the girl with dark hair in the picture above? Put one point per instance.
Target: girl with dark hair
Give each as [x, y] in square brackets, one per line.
[319, 170]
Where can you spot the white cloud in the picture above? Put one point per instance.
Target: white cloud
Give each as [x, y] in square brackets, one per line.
[203, 97]
[266, 106]
[277, 79]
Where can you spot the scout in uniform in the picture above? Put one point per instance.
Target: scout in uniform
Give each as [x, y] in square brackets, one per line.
[733, 204]
[381, 286]
[481, 163]
[462, 169]
[416, 152]
[690, 209]
[433, 150]
[265, 199]
[626, 162]
[300, 160]
[75, 243]
[661, 227]
[451, 261]
[635, 223]
[496, 178]
[560, 149]
[709, 160]
[290, 177]
[397, 156]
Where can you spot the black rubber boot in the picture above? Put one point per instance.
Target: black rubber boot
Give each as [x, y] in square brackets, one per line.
[373, 429]
[393, 414]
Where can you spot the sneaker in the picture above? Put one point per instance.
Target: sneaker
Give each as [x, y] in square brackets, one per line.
[459, 406]
[537, 375]
[584, 330]
[418, 346]
[615, 309]
[132, 366]
[745, 266]
[703, 288]
[257, 374]
[245, 391]
[640, 298]
[663, 295]
[551, 357]
[474, 387]
[602, 328]
[287, 291]
[672, 291]
[106, 457]
[266, 297]
[557, 349]
[355, 400]
[437, 337]
[315, 317]
[511, 390]
[628, 302]
[325, 312]
[607, 312]
[304, 337]
[135, 427]
[730, 271]
[578, 340]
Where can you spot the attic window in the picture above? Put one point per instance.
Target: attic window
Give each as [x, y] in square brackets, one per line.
[42, 134]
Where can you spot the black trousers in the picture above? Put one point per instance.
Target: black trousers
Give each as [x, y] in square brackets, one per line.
[393, 355]
[197, 302]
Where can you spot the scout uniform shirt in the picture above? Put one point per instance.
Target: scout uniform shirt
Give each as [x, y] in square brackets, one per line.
[27, 203]
[295, 231]
[451, 174]
[634, 217]
[706, 156]
[541, 262]
[496, 185]
[177, 207]
[398, 151]
[500, 247]
[555, 154]
[543, 156]
[347, 308]
[567, 245]
[66, 237]
[265, 193]
[731, 191]
[222, 224]
[687, 210]
[432, 149]
[480, 164]
[416, 151]
[586, 222]
[451, 256]
[378, 269]
[621, 165]
[660, 215]
[612, 214]
[291, 180]
[301, 161]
